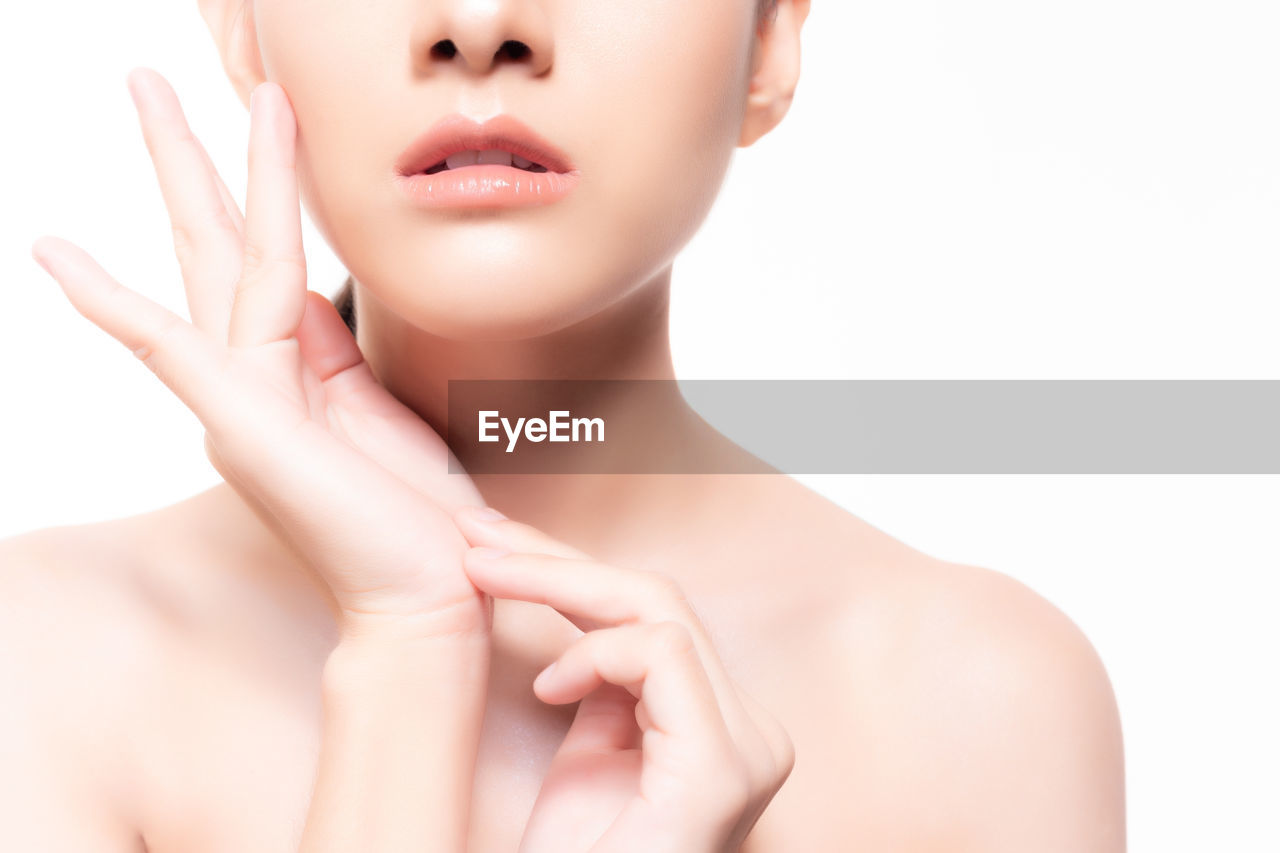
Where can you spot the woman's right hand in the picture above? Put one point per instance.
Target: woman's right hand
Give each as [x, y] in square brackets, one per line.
[294, 418]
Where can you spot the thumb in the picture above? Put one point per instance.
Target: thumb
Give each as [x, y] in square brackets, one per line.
[326, 343]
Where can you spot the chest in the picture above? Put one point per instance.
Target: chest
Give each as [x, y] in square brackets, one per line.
[232, 765]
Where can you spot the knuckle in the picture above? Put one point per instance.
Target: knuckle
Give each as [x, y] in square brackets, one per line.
[118, 293]
[183, 244]
[589, 651]
[664, 589]
[672, 638]
[757, 756]
[734, 793]
[257, 259]
[772, 744]
[771, 763]
[211, 451]
[182, 135]
[158, 341]
[786, 756]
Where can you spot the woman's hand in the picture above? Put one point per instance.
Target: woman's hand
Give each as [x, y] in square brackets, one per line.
[688, 767]
[294, 418]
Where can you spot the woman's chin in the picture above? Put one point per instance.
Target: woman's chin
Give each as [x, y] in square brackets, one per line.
[497, 318]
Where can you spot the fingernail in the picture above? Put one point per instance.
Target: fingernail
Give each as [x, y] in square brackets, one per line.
[41, 259]
[139, 90]
[488, 513]
[485, 553]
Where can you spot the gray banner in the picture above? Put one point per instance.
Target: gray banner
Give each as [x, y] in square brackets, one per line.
[869, 426]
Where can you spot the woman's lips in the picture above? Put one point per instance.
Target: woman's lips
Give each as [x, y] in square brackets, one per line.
[486, 185]
[499, 163]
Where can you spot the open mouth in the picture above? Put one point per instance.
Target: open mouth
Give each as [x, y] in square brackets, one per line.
[493, 156]
[488, 157]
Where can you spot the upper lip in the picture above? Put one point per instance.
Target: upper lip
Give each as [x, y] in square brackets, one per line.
[456, 132]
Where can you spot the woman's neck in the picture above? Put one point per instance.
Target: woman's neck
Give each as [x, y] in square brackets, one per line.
[628, 340]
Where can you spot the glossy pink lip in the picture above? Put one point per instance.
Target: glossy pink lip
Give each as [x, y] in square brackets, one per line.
[456, 132]
[483, 185]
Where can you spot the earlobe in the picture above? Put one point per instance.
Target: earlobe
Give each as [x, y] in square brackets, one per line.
[775, 70]
[231, 24]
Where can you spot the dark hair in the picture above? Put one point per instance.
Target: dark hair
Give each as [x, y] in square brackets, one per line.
[345, 301]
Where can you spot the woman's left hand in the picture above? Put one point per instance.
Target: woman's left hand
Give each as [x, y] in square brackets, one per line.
[665, 753]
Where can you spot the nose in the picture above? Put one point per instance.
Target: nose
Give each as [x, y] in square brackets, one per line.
[477, 35]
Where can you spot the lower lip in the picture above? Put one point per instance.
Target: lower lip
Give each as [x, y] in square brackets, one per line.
[487, 186]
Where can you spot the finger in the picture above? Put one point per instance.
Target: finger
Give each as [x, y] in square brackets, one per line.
[593, 595]
[659, 664]
[206, 237]
[182, 356]
[487, 526]
[687, 748]
[298, 469]
[606, 721]
[324, 340]
[695, 786]
[370, 417]
[589, 594]
[229, 203]
[779, 748]
[270, 296]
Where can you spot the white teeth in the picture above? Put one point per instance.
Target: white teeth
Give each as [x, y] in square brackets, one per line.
[462, 158]
[489, 157]
[495, 157]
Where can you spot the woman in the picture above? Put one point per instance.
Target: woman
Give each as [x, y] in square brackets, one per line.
[337, 648]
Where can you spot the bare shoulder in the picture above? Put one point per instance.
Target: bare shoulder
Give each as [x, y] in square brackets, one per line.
[75, 637]
[974, 711]
[1009, 707]
[74, 616]
[118, 640]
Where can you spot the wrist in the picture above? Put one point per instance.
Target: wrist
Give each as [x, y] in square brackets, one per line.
[466, 621]
[400, 655]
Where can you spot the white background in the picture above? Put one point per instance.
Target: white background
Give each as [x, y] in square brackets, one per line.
[991, 189]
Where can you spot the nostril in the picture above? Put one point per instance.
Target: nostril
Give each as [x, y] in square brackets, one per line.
[510, 49]
[444, 49]
[513, 49]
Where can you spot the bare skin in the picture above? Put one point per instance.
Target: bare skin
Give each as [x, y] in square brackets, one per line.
[169, 664]
[173, 669]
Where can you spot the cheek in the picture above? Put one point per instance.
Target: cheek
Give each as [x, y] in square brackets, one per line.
[336, 63]
[666, 110]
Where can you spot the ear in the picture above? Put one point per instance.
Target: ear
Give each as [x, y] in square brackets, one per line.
[231, 24]
[775, 69]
